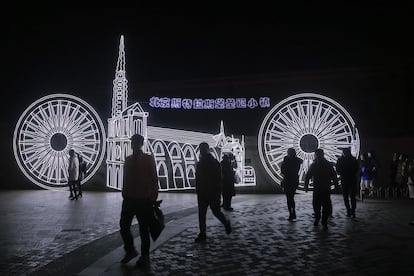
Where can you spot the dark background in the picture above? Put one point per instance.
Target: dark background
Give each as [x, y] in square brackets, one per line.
[360, 55]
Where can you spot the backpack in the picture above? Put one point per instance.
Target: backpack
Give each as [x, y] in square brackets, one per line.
[82, 167]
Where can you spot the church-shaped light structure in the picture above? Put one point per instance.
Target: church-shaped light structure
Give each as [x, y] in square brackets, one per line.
[125, 122]
[175, 151]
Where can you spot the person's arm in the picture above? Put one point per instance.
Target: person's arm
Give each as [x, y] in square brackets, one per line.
[125, 175]
[154, 179]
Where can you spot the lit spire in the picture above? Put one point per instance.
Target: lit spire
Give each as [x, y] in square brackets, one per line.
[220, 138]
[120, 65]
[221, 127]
[120, 88]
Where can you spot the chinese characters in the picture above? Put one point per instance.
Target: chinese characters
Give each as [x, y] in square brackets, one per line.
[206, 104]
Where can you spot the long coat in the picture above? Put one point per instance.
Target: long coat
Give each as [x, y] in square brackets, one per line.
[208, 177]
[228, 178]
[290, 170]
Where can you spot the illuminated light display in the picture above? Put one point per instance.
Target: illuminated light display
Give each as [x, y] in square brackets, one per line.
[48, 129]
[305, 122]
[175, 151]
[206, 104]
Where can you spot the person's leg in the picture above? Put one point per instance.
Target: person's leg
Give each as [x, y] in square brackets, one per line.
[76, 188]
[202, 212]
[326, 208]
[329, 208]
[288, 202]
[215, 208]
[370, 187]
[144, 218]
[316, 202]
[345, 193]
[230, 198]
[292, 204]
[71, 190]
[79, 187]
[362, 189]
[226, 204]
[127, 214]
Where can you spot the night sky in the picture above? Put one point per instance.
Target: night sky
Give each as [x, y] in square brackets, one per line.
[360, 55]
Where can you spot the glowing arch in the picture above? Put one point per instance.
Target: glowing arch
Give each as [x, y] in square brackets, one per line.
[305, 122]
[174, 150]
[190, 158]
[178, 176]
[163, 181]
[46, 131]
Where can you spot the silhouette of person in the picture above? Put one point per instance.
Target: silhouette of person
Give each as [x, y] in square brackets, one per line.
[347, 167]
[323, 174]
[394, 169]
[368, 173]
[208, 189]
[290, 171]
[410, 178]
[228, 178]
[82, 173]
[73, 174]
[373, 161]
[139, 192]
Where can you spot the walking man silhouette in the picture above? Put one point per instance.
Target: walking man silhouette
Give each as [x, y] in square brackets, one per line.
[323, 174]
[347, 167]
[290, 170]
[139, 192]
[208, 189]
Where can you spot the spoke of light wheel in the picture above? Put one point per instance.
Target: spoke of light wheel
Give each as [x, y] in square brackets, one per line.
[44, 119]
[281, 126]
[33, 136]
[283, 135]
[289, 123]
[295, 119]
[323, 117]
[328, 124]
[332, 130]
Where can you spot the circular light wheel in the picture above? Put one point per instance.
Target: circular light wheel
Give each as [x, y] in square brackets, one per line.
[305, 122]
[48, 129]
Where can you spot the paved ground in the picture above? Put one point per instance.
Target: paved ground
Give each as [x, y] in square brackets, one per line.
[44, 233]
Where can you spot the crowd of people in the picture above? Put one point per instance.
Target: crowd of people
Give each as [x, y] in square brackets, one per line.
[214, 183]
[215, 188]
[351, 173]
[401, 175]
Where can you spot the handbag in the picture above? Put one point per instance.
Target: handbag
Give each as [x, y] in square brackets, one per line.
[157, 223]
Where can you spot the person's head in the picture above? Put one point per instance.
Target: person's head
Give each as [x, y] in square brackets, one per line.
[291, 152]
[226, 158]
[346, 151]
[204, 148]
[137, 141]
[319, 154]
[71, 152]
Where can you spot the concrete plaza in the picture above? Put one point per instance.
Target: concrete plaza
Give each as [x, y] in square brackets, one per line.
[45, 233]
